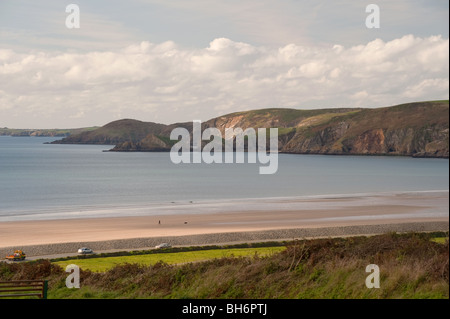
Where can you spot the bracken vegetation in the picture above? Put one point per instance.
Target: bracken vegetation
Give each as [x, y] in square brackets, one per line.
[411, 265]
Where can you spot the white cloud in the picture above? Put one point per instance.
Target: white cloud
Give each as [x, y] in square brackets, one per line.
[168, 83]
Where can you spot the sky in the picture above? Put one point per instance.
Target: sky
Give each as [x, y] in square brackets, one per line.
[183, 60]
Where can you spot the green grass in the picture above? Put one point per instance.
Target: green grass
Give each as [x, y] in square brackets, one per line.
[282, 131]
[440, 240]
[102, 264]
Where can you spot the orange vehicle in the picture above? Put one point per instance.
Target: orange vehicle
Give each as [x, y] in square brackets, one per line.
[18, 255]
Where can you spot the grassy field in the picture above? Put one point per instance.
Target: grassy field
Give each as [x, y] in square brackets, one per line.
[102, 264]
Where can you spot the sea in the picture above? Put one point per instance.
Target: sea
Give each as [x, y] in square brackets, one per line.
[41, 181]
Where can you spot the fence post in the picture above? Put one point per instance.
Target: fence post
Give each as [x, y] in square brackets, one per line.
[44, 289]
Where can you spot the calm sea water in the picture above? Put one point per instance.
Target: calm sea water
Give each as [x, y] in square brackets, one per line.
[38, 179]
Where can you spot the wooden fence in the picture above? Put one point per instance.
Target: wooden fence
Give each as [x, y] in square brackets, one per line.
[24, 288]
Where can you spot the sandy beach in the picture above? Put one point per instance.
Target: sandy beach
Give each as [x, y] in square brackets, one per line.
[275, 218]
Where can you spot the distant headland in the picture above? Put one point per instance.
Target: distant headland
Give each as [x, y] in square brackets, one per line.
[419, 129]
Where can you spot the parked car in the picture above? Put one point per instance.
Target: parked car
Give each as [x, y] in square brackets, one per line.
[85, 250]
[163, 245]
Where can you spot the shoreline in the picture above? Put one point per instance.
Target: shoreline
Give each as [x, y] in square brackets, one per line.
[232, 221]
[205, 206]
[59, 141]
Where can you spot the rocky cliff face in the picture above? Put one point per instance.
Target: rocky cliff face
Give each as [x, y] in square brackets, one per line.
[415, 129]
[430, 142]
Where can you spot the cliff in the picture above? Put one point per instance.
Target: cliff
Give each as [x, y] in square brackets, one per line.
[116, 132]
[415, 129]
